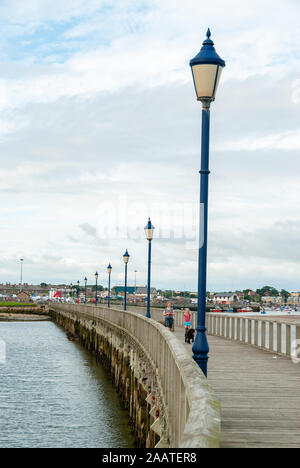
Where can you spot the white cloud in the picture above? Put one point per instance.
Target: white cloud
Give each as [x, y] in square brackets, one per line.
[46, 10]
[289, 140]
[143, 48]
[116, 116]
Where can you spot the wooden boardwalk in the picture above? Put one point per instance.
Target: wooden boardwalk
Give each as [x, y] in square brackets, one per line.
[259, 394]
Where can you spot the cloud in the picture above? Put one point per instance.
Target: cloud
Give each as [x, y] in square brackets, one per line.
[77, 171]
[141, 44]
[108, 132]
[46, 10]
[289, 140]
[88, 229]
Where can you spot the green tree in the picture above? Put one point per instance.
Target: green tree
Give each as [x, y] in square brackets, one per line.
[267, 289]
[168, 294]
[99, 288]
[285, 294]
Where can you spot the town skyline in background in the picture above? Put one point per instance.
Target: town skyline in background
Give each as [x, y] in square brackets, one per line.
[269, 291]
[134, 279]
[266, 298]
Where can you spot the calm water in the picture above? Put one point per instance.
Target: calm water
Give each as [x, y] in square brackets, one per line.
[54, 394]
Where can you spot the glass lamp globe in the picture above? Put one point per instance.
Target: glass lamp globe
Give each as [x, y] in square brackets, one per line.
[206, 68]
[126, 257]
[149, 230]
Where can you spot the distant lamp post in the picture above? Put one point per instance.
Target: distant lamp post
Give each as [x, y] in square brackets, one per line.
[96, 296]
[78, 283]
[126, 257]
[135, 272]
[206, 69]
[71, 293]
[109, 269]
[85, 283]
[149, 231]
[21, 273]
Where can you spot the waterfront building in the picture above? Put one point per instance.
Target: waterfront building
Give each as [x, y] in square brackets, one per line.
[272, 299]
[23, 296]
[141, 291]
[294, 299]
[225, 298]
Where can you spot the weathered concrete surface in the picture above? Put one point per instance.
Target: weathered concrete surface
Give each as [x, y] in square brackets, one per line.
[259, 394]
[10, 317]
[118, 357]
[28, 310]
[184, 409]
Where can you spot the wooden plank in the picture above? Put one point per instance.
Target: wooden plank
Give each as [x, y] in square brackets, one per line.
[259, 394]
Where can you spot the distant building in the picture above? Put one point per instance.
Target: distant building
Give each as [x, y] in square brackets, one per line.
[268, 299]
[14, 289]
[272, 299]
[23, 297]
[240, 295]
[294, 298]
[137, 294]
[121, 289]
[225, 298]
[57, 293]
[252, 293]
[141, 291]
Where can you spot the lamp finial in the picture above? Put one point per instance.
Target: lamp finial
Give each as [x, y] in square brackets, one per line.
[208, 34]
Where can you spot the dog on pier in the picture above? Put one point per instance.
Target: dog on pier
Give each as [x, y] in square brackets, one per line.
[189, 335]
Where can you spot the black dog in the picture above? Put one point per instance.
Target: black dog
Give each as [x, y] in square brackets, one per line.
[189, 335]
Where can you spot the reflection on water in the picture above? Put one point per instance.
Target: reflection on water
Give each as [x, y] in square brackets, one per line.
[54, 394]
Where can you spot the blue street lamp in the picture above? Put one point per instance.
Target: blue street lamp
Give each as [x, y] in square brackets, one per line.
[109, 269]
[149, 230]
[78, 283]
[206, 69]
[96, 295]
[126, 257]
[85, 283]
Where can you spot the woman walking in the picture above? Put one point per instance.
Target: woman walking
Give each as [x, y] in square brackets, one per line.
[169, 314]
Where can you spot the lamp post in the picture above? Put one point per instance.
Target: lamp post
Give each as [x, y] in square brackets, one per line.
[126, 257]
[96, 297]
[109, 269]
[21, 274]
[206, 69]
[71, 286]
[149, 230]
[85, 283]
[78, 283]
[135, 272]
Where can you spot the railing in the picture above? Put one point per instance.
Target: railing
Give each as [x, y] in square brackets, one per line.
[193, 410]
[277, 336]
[157, 314]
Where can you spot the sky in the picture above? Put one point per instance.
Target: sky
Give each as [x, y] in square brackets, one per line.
[100, 129]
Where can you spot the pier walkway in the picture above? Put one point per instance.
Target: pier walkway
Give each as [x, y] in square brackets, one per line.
[259, 394]
[250, 399]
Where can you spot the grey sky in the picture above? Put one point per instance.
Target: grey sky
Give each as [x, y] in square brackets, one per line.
[100, 128]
